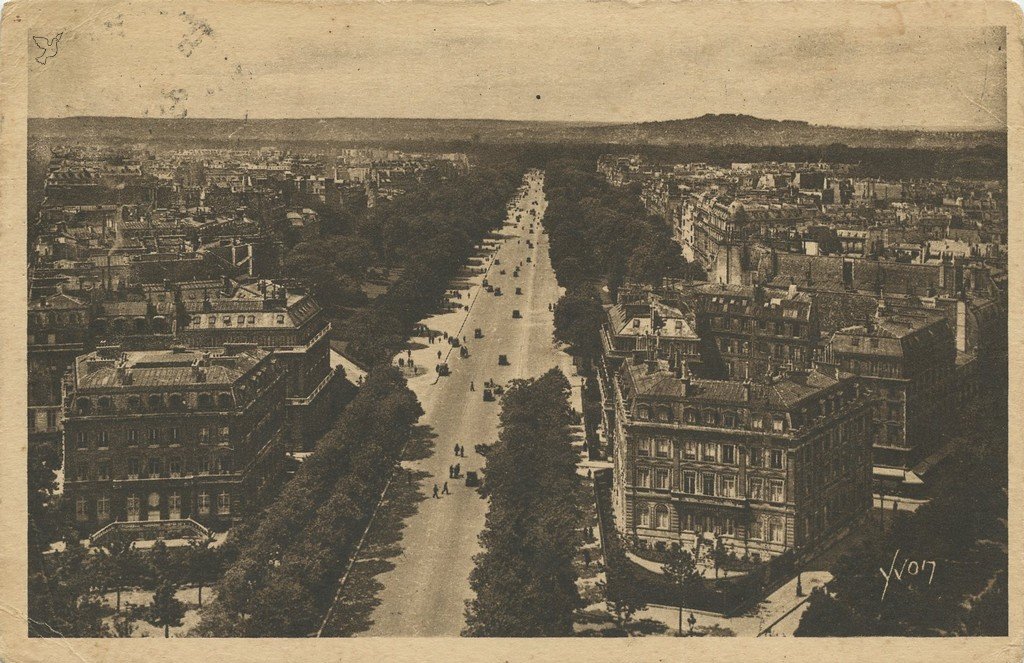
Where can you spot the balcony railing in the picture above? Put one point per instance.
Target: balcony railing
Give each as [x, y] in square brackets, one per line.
[316, 391]
[180, 528]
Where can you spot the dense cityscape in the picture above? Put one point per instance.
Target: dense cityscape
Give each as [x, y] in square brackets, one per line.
[673, 397]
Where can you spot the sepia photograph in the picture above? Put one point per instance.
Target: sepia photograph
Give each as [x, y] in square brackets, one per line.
[540, 320]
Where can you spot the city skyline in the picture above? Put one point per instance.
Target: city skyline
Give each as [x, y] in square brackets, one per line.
[618, 65]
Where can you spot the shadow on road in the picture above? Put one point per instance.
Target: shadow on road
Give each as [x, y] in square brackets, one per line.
[383, 542]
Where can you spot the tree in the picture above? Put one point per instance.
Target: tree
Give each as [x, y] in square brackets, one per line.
[719, 554]
[166, 610]
[654, 259]
[578, 318]
[681, 569]
[124, 622]
[202, 562]
[118, 561]
[826, 617]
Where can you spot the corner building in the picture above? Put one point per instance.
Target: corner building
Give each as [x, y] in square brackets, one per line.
[772, 466]
[166, 441]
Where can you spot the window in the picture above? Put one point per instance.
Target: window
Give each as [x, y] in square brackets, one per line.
[204, 432]
[775, 533]
[690, 483]
[644, 447]
[643, 515]
[51, 419]
[661, 516]
[729, 526]
[174, 503]
[252, 319]
[104, 439]
[133, 437]
[204, 503]
[154, 500]
[133, 468]
[690, 450]
[661, 479]
[241, 319]
[756, 457]
[777, 425]
[226, 320]
[729, 419]
[203, 466]
[708, 484]
[636, 323]
[81, 509]
[691, 416]
[225, 431]
[103, 508]
[174, 468]
[133, 505]
[81, 440]
[224, 503]
[103, 470]
[664, 414]
[755, 488]
[154, 436]
[775, 491]
[664, 448]
[31, 421]
[729, 454]
[280, 319]
[155, 466]
[776, 459]
[225, 465]
[755, 529]
[174, 435]
[213, 321]
[757, 423]
[709, 452]
[729, 486]
[643, 477]
[643, 412]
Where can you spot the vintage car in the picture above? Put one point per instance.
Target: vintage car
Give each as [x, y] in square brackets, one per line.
[502, 360]
[442, 369]
[472, 479]
[478, 333]
[516, 314]
[519, 291]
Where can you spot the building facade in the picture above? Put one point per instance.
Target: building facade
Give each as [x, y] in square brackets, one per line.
[769, 467]
[165, 436]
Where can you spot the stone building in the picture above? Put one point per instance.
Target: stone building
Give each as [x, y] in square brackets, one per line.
[770, 466]
[160, 440]
[293, 326]
[908, 360]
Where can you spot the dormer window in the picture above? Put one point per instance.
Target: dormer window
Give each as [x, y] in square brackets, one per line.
[205, 401]
[83, 405]
[155, 401]
[104, 403]
[224, 400]
[643, 412]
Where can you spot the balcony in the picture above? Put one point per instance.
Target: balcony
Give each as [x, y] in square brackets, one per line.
[312, 396]
[146, 530]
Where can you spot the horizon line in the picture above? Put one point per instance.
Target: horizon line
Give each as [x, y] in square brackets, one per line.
[591, 123]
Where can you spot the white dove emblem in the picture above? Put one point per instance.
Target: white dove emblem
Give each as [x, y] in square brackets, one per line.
[48, 46]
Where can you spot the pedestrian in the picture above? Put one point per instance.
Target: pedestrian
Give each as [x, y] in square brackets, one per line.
[586, 557]
[451, 471]
[458, 470]
[471, 388]
[408, 353]
[462, 451]
[435, 492]
[438, 354]
[444, 491]
[456, 448]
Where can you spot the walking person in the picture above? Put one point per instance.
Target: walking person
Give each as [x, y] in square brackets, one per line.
[458, 471]
[444, 491]
[456, 448]
[438, 354]
[471, 388]
[435, 492]
[451, 471]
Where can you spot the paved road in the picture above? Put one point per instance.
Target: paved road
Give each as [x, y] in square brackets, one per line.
[425, 594]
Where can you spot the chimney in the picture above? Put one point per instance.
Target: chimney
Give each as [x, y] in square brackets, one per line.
[124, 373]
[684, 377]
[746, 390]
[792, 291]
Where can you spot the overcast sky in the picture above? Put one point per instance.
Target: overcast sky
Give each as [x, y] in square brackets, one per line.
[540, 61]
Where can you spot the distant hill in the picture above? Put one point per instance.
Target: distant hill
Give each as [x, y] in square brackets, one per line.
[713, 130]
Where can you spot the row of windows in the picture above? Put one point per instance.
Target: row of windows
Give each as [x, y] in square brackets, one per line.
[712, 484]
[768, 528]
[133, 506]
[172, 435]
[727, 419]
[227, 320]
[155, 468]
[224, 400]
[712, 452]
[777, 328]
